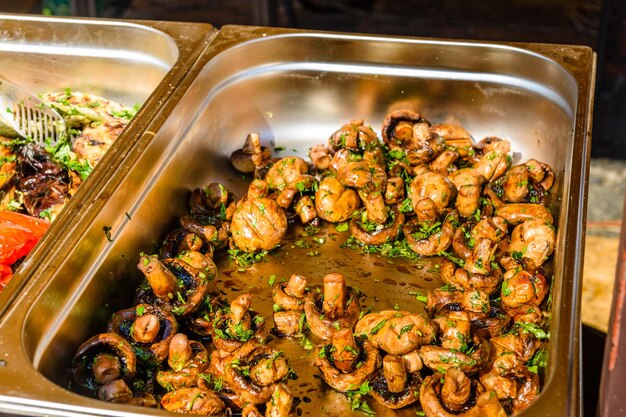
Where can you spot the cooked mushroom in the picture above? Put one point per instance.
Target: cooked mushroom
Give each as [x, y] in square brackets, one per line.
[533, 241]
[393, 387]
[494, 161]
[101, 359]
[467, 360]
[287, 177]
[371, 233]
[193, 282]
[436, 189]
[289, 296]
[407, 130]
[187, 359]
[258, 224]
[430, 238]
[281, 403]
[337, 308]
[147, 327]
[334, 202]
[522, 288]
[252, 154]
[211, 229]
[115, 391]
[181, 240]
[460, 278]
[353, 136]
[467, 182]
[161, 280]
[396, 332]
[231, 329]
[487, 404]
[320, 156]
[193, 401]
[249, 375]
[516, 213]
[456, 389]
[368, 362]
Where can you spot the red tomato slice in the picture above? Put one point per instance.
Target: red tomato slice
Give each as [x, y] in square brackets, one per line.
[6, 273]
[19, 233]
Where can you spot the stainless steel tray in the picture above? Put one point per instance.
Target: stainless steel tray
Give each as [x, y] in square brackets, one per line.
[296, 88]
[132, 62]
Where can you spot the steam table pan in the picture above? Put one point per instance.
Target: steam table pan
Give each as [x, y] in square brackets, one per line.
[296, 88]
[129, 62]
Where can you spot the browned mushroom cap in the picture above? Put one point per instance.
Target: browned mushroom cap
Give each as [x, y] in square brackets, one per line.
[431, 186]
[460, 278]
[193, 401]
[289, 323]
[515, 184]
[103, 357]
[338, 308]
[371, 233]
[116, 391]
[479, 262]
[258, 224]
[521, 288]
[212, 230]
[354, 136]
[392, 386]
[305, 207]
[369, 360]
[442, 298]
[214, 199]
[180, 240]
[152, 330]
[516, 213]
[430, 238]
[493, 161]
[396, 332]
[320, 156]
[533, 241]
[188, 359]
[194, 283]
[487, 404]
[398, 129]
[252, 154]
[243, 377]
[439, 358]
[455, 329]
[334, 202]
[455, 136]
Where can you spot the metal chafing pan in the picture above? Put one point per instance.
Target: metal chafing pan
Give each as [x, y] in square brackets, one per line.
[131, 62]
[296, 88]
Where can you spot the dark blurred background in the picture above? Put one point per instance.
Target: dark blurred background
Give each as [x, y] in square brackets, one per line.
[595, 23]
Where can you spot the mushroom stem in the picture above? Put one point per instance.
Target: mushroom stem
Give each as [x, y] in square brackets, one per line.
[179, 352]
[106, 368]
[346, 351]
[116, 391]
[281, 402]
[252, 144]
[334, 295]
[296, 286]
[456, 389]
[146, 328]
[238, 311]
[161, 279]
[395, 373]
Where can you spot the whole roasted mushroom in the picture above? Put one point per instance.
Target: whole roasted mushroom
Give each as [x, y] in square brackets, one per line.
[102, 359]
[193, 401]
[406, 129]
[371, 233]
[258, 224]
[487, 404]
[253, 371]
[187, 360]
[337, 308]
[182, 282]
[396, 332]
[289, 297]
[148, 328]
[252, 154]
[393, 386]
[430, 238]
[231, 329]
[346, 362]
